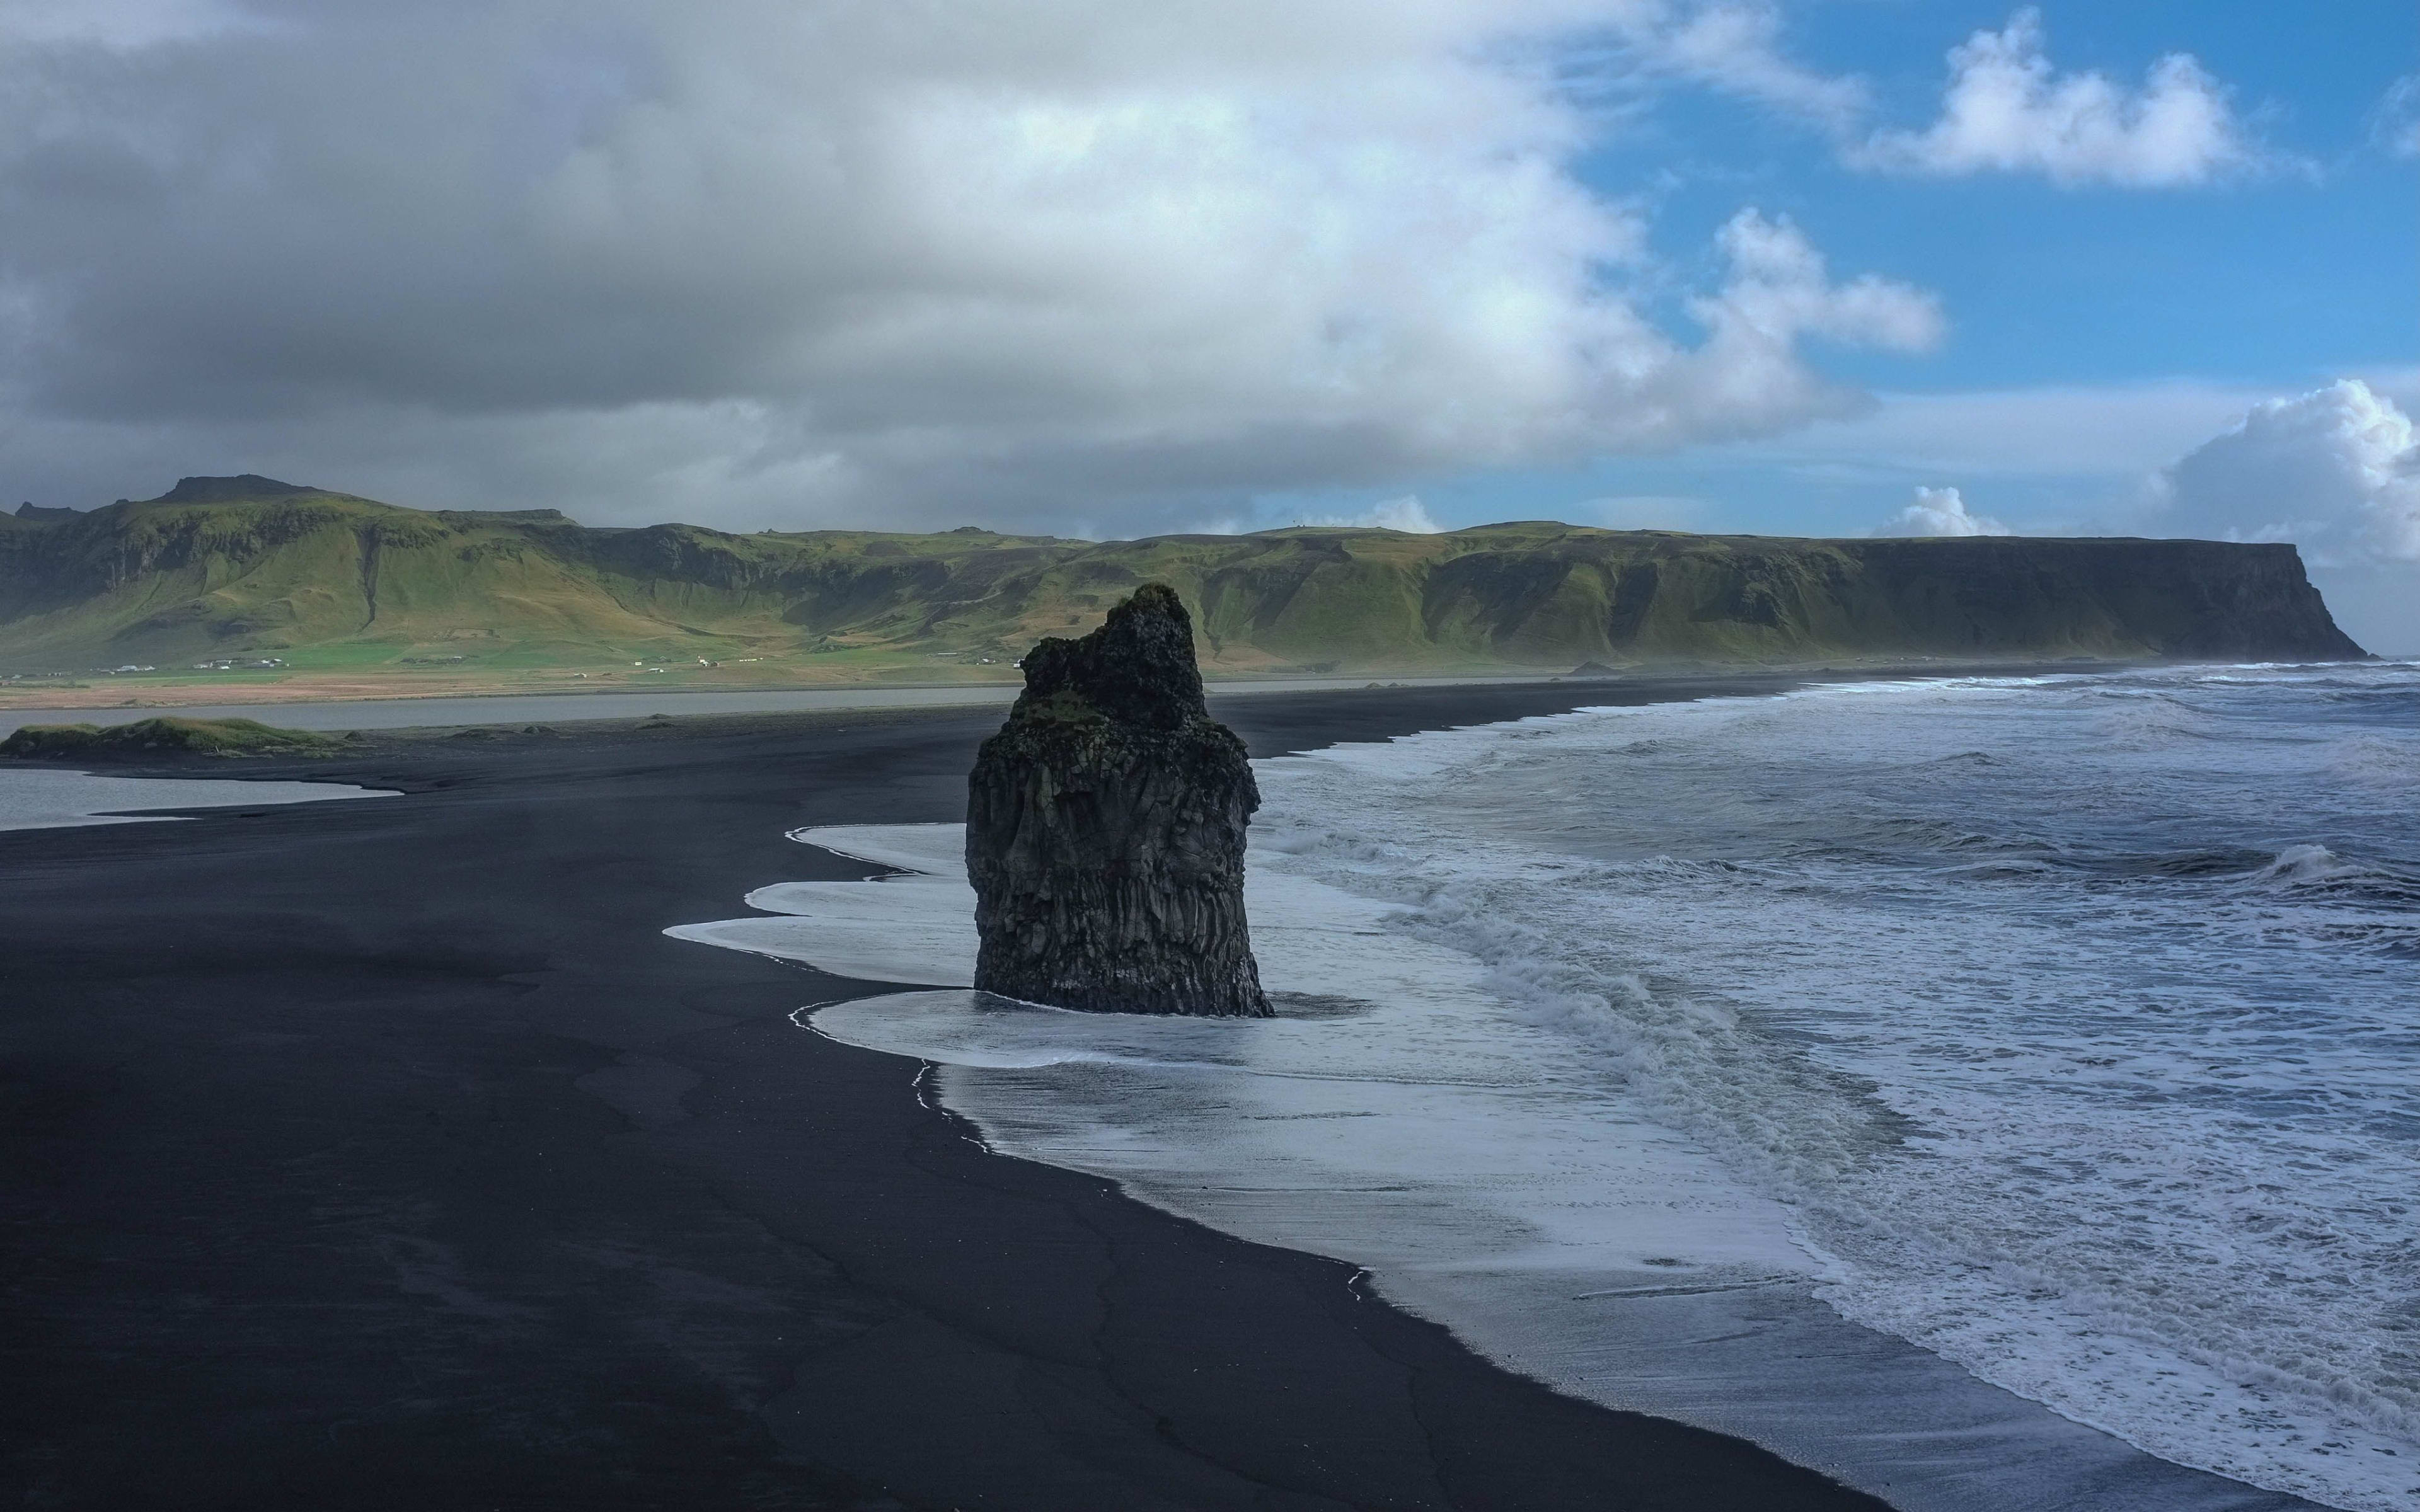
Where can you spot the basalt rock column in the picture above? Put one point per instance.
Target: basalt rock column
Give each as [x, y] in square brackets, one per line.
[1105, 830]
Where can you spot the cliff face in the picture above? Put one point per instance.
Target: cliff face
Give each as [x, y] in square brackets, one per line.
[224, 564]
[1105, 830]
[1654, 596]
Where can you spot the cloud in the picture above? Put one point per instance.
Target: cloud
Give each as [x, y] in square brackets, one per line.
[764, 263]
[121, 23]
[2395, 123]
[2336, 471]
[1640, 50]
[1733, 47]
[1407, 513]
[2008, 111]
[2399, 384]
[1940, 512]
[1747, 377]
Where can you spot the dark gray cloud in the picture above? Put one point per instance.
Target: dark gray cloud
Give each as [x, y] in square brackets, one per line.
[1051, 262]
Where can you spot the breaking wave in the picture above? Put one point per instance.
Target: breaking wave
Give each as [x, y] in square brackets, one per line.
[2060, 1028]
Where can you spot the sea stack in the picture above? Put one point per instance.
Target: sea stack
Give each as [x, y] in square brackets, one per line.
[1105, 830]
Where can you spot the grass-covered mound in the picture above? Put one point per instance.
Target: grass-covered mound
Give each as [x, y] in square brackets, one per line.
[168, 735]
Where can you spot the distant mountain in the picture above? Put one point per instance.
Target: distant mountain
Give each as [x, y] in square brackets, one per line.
[218, 567]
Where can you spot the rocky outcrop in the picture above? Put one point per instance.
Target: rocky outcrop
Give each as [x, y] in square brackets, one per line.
[167, 735]
[1105, 830]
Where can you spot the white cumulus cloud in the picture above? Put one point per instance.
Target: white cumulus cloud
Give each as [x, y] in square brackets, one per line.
[1940, 512]
[2336, 471]
[2008, 110]
[1747, 376]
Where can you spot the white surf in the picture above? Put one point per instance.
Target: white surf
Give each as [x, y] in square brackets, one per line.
[1709, 1059]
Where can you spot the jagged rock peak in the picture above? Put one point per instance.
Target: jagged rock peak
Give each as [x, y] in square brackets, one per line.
[1137, 668]
[1105, 830]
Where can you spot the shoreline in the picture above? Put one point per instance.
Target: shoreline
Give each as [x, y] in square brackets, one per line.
[415, 1167]
[1743, 1343]
[307, 688]
[427, 711]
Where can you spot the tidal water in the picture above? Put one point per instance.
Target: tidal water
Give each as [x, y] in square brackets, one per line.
[43, 798]
[1997, 1092]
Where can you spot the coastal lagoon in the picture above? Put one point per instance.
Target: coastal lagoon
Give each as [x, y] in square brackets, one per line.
[1997, 1092]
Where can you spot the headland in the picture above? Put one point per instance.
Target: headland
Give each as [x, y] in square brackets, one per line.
[249, 590]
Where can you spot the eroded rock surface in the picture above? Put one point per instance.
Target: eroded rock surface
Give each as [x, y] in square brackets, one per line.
[1105, 830]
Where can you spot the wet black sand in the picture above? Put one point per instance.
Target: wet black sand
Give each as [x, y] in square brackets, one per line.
[384, 1154]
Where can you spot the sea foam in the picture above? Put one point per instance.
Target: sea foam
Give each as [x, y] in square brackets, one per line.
[1707, 1060]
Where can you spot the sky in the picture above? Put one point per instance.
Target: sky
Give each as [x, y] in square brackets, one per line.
[1789, 267]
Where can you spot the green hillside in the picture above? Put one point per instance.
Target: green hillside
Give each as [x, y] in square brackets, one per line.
[249, 567]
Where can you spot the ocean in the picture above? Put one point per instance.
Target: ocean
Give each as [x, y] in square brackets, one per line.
[1998, 1092]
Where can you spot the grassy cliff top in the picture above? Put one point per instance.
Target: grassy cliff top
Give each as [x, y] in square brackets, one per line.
[287, 579]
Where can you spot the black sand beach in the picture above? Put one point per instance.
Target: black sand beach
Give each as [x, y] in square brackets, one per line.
[384, 1154]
